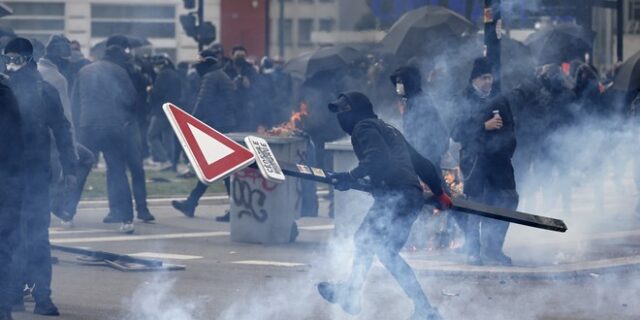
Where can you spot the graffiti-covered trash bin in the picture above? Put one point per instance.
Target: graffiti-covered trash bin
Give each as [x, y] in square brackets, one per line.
[263, 211]
[349, 207]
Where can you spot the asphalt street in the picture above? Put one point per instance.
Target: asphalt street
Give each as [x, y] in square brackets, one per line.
[226, 280]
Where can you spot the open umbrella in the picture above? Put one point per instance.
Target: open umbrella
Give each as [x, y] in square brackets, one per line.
[628, 75]
[560, 43]
[135, 42]
[5, 10]
[308, 64]
[426, 31]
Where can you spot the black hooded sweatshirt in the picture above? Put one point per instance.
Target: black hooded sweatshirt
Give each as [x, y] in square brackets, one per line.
[383, 153]
[421, 122]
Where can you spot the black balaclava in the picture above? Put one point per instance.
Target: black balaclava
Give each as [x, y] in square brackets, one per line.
[207, 62]
[58, 51]
[361, 109]
[410, 78]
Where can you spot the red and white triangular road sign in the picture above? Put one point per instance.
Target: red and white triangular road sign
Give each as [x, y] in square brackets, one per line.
[212, 154]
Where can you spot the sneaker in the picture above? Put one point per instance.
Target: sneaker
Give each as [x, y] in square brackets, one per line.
[111, 218]
[225, 218]
[127, 227]
[66, 224]
[340, 294]
[63, 215]
[426, 314]
[497, 259]
[185, 207]
[46, 308]
[146, 216]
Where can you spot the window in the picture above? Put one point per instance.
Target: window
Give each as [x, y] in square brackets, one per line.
[327, 25]
[288, 31]
[305, 1]
[35, 20]
[305, 27]
[327, 1]
[149, 21]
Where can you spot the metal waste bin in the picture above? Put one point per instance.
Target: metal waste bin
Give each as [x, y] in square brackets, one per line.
[349, 207]
[263, 211]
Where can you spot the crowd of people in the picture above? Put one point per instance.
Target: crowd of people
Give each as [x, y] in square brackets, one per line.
[61, 112]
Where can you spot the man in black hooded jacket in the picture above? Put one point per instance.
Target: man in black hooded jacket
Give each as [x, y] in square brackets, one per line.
[42, 114]
[214, 106]
[421, 122]
[485, 129]
[11, 187]
[394, 169]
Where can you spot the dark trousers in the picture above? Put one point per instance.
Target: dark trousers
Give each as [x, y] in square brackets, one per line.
[135, 158]
[114, 145]
[9, 237]
[158, 129]
[201, 188]
[484, 235]
[32, 258]
[383, 232]
[67, 200]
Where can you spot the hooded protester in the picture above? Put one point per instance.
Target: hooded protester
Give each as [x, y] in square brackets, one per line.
[394, 169]
[42, 114]
[103, 102]
[421, 122]
[214, 106]
[11, 189]
[55, 60]
[485, 130]
[244, 77]
[167, 87]
[76, 62]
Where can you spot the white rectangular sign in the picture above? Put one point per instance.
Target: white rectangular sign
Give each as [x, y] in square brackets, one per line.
[266, 160]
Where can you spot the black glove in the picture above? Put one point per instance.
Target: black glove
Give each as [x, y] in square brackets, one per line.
[342, 181]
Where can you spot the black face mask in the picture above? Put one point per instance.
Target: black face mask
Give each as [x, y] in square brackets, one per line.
[240, 61]
[201, 68]
[348, 121]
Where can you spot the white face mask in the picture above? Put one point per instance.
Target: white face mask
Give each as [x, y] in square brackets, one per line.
[400, 89]
[14, 67]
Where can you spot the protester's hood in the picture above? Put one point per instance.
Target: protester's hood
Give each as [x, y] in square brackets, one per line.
[361, 109]
[117, 54]
[411, 79]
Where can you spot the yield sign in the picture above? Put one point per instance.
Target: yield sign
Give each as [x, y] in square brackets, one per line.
[213, 155]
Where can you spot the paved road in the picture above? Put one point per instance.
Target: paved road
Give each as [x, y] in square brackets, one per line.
[225, 280]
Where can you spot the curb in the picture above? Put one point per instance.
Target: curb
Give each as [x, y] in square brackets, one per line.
[552, 272]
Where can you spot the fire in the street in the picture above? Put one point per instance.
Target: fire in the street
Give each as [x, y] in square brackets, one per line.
[294, 126]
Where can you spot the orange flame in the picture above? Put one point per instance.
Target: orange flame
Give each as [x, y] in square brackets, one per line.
[294, 124]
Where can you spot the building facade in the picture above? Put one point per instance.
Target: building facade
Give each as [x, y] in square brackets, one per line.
[91, 21]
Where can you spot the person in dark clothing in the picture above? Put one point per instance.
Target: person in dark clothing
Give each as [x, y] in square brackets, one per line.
[55, 61]
[11, 189]
[421, 122]
[394, 169]
[76, 62]
[42, 113]
[244, 77]
[214, 106]
[167, 87]
[103, 102]
[485, 130]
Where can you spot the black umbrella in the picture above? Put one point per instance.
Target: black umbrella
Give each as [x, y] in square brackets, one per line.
[560, 43]
[426, 31]
[628, 75]
[308, 64]
[135, 42]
